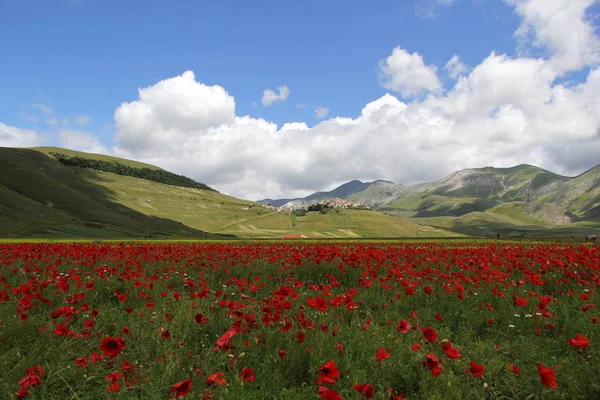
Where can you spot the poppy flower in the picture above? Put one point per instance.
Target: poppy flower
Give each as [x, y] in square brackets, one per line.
[579, 341]
[223, 341]
[381, 354]
[521, 301]
[113, 387]
[81, 362]
[453, 353]
[216, 378]
[547, 375]
[430, 334]
[182, 388]
[200, 319]
[415, 347]
[329, 394]
[328, 372]
[281, 354]
[247, 374]
[514, 369]
[433, 364]
[95, 358]
[366, 390]
[403, 326]
[476, 370]
[112, 347]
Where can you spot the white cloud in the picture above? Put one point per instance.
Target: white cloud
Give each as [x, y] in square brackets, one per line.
[506, 111]
[431, 8]
[47, 110]
[83, 120]
[173, 110]
[82, 141]
[455, 67]
[562, 27]
[51, 121]
[270, 97]
[502, 112]
[321, 112]
[28, 117]
[11, 136]
[407, 74]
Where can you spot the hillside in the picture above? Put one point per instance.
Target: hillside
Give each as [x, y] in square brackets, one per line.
[488, 199]
[41, 197]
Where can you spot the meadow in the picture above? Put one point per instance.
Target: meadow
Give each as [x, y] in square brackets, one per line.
[381, 320]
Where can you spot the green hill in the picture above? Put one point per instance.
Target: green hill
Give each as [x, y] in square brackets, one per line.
[43, 198]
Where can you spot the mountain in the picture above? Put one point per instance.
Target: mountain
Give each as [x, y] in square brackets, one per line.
[488, 199]
[43, 195]
[342, 192]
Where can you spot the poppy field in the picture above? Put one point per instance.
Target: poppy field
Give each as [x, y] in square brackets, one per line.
[300, 321]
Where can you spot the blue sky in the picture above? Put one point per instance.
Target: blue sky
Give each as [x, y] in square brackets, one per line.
[89, 56]
[523, 90]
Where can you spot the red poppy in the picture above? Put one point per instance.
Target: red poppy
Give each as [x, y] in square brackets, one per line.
[547, 375]
[223, 341]
[579, 341]
[415, 347]
[381, 354]
[328, 372]
[281, 354]
[366, 390]
[476, 370]
[403, 326]
[81, 362]
[430, 334]
[453, 353]
[433, 364]
[95, 358]
[200, 319]
[514, 369]
[182, 388]
[113, 387]
[521, 301]
[329, 394]
[112, 347]
[247, 374]
[319, 303]
[216, 378]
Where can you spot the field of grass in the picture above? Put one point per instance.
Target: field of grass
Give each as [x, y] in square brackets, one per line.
[299, 320]
[41, 198]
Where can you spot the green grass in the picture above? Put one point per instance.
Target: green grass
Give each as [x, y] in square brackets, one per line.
[246, 279]
[93, 156]
[42, 198]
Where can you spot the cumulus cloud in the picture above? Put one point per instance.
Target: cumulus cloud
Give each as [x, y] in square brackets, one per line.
[407, 74]
[81, 141]
[431, 8]
[455, 67]
[11, 136]
[321, 112]
[43, 108]
[83, 120]
[270, 97]
[504, 111]
[562, 27]
[172, 111]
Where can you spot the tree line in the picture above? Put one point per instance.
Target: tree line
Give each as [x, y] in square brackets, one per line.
[155, 175]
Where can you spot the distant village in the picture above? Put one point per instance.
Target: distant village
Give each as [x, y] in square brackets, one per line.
[333, 203]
